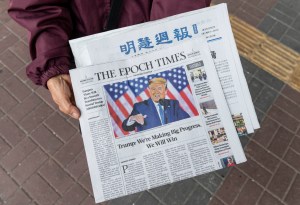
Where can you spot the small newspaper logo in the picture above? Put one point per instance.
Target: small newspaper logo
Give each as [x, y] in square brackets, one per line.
[86, 80]
[213, 54]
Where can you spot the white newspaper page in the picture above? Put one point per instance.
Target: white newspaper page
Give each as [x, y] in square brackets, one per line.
[239, 69]
[213, 23]
[151, 121]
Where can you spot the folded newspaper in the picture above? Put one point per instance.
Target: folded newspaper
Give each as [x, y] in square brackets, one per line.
[161, 101]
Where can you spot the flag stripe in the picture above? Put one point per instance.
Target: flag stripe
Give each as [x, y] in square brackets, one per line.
[117, 131]
[178, 97]
[186, 98]
[189, 87]
[114, 107]
[117, 117]
[144, 96]
[121, 108]
[147, 92]
[131, 95]
[139, 98]
[118, 121]
[125, 104]
[128, 98]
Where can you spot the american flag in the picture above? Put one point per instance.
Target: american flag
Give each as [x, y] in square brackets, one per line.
[121, 96]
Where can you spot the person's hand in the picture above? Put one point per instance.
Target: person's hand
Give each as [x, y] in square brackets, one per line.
[62, 94]
[139, 118]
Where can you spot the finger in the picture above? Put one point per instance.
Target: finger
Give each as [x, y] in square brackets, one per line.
[68, 108]
[141, 116]
[138, 120]
[71, 110]
[75, 113]
[133, 118]
[142, 121]
[67, 79]
[60, 89]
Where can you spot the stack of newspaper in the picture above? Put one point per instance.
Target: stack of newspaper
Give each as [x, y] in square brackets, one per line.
[161, 101]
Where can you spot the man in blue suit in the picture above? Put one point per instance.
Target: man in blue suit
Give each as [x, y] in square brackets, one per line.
[156, 110]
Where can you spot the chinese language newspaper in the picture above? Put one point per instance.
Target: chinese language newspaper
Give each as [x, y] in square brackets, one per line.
[211, 23]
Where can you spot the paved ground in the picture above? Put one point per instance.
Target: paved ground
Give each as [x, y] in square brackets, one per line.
[41, 152]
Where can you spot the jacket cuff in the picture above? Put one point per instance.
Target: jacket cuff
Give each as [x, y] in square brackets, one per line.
[53, 67]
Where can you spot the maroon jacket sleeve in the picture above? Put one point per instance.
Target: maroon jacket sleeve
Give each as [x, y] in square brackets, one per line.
[50, 26]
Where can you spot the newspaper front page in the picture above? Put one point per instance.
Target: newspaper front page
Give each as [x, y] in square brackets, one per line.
[147, 121]
[212, 23]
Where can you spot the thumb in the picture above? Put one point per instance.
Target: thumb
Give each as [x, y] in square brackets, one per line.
[61, 92]
[67, 107]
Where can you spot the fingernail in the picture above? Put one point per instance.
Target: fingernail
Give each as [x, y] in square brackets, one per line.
[75, 115]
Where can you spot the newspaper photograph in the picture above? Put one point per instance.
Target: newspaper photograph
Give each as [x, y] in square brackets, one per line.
[167, 90]
[212, 23]
[151, 120]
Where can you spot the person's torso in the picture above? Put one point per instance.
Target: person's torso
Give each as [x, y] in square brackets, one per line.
[90, 17]
[152, 116]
